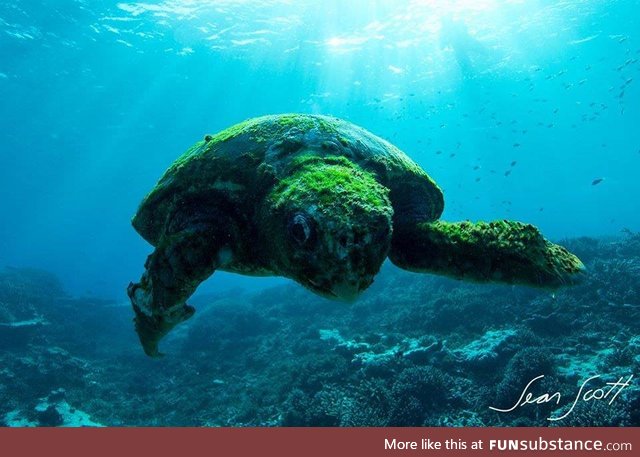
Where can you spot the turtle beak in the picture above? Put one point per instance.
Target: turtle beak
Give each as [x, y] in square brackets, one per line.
[345, 291]
[348, 291]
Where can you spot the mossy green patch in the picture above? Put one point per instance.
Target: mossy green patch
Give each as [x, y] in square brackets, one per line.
[302, 122]
[330, 182]
[343, 141]
[311, 159]
[185, 158]
[269, 128]
[499, 234]
[248, 126]
[505, 251]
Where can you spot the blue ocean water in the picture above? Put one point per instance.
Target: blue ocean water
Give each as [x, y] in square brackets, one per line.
[526, 110]
[99, 97]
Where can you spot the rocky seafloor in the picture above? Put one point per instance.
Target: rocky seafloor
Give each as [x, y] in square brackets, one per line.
[413, 350]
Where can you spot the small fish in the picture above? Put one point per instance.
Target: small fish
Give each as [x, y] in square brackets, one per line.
[513, 164]
[452, 155]
[516, 145]
[507, 173]
[597, 181]
[438, 152]
[477, 179]
[541, 209]
[477, 167]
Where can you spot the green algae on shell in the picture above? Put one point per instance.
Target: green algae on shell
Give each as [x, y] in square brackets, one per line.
[259, 152]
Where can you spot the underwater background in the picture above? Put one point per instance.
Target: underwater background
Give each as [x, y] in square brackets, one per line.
[527, 110]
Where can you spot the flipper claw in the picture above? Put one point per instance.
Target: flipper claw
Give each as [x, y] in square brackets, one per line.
[151, 328]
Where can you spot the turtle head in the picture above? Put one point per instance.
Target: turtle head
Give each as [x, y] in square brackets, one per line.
[330, 226]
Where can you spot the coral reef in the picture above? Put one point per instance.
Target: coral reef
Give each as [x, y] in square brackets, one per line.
[414, 350]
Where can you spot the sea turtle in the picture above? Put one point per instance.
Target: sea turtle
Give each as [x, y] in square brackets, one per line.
[323, 202]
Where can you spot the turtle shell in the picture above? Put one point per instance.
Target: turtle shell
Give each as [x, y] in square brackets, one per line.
[238, 166]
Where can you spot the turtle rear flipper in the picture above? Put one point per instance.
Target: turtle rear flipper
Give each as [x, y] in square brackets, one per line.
[500, 251]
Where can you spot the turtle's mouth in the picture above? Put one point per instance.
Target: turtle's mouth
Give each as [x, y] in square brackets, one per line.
[346, 291]
[322, 290]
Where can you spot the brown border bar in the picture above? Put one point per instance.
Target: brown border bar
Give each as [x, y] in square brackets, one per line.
[284, 442]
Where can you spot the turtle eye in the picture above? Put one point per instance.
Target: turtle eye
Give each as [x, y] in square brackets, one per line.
[300, 228]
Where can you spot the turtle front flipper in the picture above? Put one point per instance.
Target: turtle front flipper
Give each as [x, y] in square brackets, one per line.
[499, 251]
[152, 327]
[187, 254]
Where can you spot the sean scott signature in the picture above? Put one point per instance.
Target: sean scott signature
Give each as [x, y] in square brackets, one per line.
[584, 394]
